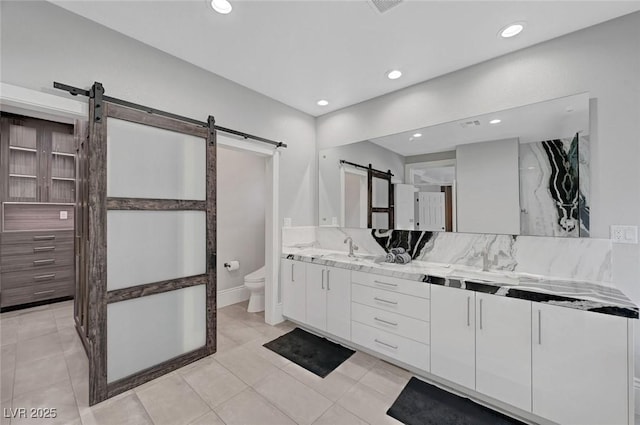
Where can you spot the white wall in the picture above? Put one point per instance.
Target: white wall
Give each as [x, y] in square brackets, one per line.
[241, 183]
[42, 43]
[363, 153]
[488, 187]
[603, 60]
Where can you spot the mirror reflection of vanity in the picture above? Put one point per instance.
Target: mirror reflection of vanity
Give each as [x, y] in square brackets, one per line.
[521, 171]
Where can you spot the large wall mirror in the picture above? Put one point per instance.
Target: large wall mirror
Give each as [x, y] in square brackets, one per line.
[521, 171]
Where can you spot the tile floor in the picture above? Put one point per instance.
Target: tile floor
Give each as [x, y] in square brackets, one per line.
[43, 365]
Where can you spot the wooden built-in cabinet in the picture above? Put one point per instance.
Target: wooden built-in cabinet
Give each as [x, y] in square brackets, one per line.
[37, 195]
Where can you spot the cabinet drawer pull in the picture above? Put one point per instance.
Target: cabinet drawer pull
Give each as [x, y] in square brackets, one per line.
[385, 321]
[43, 262]
[382, 300]
[45, 277]
[44, 238]
[44, 248]
[51, 291]
[395, 347]
[385, 283]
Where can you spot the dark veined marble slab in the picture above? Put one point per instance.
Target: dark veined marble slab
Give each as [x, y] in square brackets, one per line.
[588, 296]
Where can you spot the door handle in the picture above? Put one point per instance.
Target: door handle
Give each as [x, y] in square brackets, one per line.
[539, 327]
[44, 238]
[481, 314]
[322, 279]
[385, 321]
[44, 277]
[43, 262]
[292, 279]
[382, 300]
[395, 347]
[328, 279]
[385, 283]
[44, 248]
[468, 311]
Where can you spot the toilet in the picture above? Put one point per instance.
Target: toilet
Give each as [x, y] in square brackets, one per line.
[254, 282]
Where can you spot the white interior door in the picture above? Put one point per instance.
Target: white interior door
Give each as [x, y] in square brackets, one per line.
[431, 210]
[405, 214]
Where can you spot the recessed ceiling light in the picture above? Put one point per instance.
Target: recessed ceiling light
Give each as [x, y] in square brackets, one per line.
[512, 30]
[221, 6]
[496, 121]
[394, 74]
[322, 102]
[417, 135]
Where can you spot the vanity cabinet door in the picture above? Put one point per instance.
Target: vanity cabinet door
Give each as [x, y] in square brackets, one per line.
[503, 349]
[294, 299]
[580, 366]
[453, 334]
[339, 302]
[316, 296]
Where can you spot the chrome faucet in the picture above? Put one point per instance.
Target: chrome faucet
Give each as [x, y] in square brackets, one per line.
[352, 246]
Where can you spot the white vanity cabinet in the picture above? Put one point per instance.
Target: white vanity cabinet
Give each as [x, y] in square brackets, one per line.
[503, 349]
[580, 366]
[328, 300]
[294, 294]
[453, 336]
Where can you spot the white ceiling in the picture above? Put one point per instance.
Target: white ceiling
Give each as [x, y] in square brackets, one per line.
[552, 119]
[300, 51]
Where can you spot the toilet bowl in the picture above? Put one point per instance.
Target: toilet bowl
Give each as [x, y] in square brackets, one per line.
[254, 282]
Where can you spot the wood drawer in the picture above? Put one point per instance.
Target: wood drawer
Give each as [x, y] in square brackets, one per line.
[36, 216]
[407, 305]
[403, 349]
[39, 237]
[39, 276]
[403, 286]
[61, 255]
[397, 324]
[33, 293]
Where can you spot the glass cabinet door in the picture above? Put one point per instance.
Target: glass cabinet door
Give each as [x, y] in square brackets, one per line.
[62, 184]
[23, 168]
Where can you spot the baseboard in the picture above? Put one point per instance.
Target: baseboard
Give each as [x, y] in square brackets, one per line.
[232, 296]
[636, 394]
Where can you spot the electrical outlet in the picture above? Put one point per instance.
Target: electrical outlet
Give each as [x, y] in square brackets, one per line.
[624, 234]
[63, 215]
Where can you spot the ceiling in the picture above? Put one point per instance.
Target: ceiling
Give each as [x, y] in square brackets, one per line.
[300, 51]
[552, 119]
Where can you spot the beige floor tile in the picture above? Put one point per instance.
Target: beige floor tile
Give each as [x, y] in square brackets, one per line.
[37, 348]
[9, 335]
[77, 364]
[172, 402]
[246, 364]
[58, 396]
[337, 415]
[124, 410]
[40, 374]
[224, 343]
[36, 328]
[368, 404]
[35, 314]
[357, 365]
[386, 379]
[8, 357]
[81, 391]
[249, 408]
[239, 332]
[213, 383]
[295, 399]
[6, 419]
[332, 386]
[209, 419]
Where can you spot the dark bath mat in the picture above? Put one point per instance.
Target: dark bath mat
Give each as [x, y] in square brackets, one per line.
[317, 355]
[420, 403]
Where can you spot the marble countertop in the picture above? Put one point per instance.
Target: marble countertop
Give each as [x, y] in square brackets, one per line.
[600, 297]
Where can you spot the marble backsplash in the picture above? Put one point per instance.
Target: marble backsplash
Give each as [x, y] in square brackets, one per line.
[573, 258]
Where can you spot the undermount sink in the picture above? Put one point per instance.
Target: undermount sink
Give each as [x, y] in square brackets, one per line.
[345, 257]
[488, 277]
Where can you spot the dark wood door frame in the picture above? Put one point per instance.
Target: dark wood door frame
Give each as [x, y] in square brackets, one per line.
[389, 209]
[98, 204]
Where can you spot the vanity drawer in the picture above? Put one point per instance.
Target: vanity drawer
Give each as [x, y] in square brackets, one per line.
[33, 293]
[39, 237]
[407, 305]
[44, 256]
[403, 286]
[403, 349]
[397, 324]
[41, 276]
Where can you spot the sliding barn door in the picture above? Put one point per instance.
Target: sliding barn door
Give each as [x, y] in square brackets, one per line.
[152, 239]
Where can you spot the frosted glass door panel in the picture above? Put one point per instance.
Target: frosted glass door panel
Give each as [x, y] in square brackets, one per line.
[149, 162]
[151, 246]
[143, 332]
